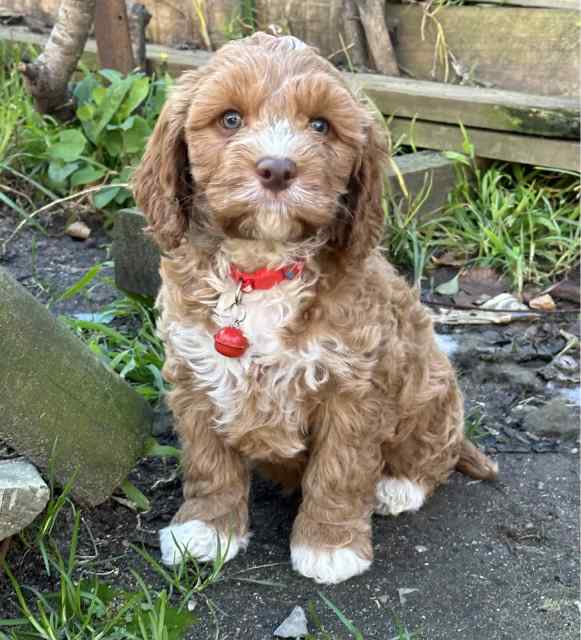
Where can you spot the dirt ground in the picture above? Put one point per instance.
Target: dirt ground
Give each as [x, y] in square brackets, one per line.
[485, 561]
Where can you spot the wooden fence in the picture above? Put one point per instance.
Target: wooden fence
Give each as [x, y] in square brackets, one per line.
[509, 74]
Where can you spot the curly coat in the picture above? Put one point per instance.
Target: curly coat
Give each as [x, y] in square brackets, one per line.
[343, 391]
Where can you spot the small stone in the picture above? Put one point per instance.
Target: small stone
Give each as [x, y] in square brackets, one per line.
[78, 230]
[23, 495]
[295, 626]
[566, 363]
[554, 418]
[543, 303]
[403, 593]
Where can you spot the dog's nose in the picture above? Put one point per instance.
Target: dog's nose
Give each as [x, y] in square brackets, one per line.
[276, 173]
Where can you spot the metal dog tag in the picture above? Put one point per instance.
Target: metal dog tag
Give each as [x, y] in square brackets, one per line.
[226, 301]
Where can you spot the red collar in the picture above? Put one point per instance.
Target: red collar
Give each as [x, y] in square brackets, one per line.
[265, 278]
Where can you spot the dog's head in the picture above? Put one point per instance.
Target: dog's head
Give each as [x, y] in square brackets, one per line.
[265, 142]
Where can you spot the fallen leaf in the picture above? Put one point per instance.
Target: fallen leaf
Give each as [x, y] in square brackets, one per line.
[543, 303]
[479, 281]
[449, 288]
[78, 230]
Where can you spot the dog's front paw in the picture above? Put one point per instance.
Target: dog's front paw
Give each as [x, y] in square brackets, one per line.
[395, 495]
[200, 541]
[327, 566]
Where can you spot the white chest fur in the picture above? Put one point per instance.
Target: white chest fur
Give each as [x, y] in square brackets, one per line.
[228, 381]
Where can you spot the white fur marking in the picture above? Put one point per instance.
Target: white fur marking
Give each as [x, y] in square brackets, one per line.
[199, 540]
[395, 495]
[228, 380]
[277, 140]
[327, 566]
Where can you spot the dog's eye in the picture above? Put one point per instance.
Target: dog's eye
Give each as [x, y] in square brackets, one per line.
[231, 120]
[320, 125]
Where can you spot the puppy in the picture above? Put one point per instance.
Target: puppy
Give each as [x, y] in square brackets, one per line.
[292, 346]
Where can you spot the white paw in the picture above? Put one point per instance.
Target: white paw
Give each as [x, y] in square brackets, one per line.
[199, 540]
[327, 566]
[395, 495]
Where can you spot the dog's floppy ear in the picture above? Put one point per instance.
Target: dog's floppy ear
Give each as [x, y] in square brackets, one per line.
[162, 183]
[363, 220]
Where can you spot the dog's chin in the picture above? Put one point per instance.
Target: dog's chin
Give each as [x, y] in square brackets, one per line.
[278, 224]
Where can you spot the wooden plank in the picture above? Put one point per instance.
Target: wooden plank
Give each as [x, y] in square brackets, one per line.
[535, 51]
[511, 147]
[549, 116]
[571, 5]
[112, 34]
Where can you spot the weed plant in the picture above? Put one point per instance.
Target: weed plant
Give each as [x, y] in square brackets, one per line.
[522, 221]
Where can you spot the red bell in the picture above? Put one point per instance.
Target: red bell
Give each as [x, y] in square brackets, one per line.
[230, 342]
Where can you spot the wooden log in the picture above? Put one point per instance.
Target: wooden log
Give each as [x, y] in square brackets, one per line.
[546, 152]
[23, 495]
[114, 48]
[549, 116]
[60, 405]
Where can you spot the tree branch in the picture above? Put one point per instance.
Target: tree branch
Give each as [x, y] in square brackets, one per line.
[48, 76]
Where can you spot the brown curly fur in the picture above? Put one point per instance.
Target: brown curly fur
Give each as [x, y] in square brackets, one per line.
[379, 399]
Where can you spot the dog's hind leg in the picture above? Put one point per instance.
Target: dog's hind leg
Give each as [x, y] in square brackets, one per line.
[420, 453]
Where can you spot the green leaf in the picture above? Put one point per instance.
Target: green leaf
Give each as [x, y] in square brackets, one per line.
[346, 622]
[457, 157]
[85, 112]
[98, 94]
[102, 198]
[449, 288]
[155, 450]
[123, 196]
[135, 495]
[81, 283]
[113, 142]
[137, 94]
[87, 175]
[112, 75]
[83, 91]
[70, 146]
[115, 95]
[59, 171]
[136, 137]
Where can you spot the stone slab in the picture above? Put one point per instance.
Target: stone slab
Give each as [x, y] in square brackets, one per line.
[428, 177]
[135, 254]
[60, 405]
[23, 495]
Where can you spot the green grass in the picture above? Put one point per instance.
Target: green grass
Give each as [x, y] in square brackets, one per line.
[522, 221]
[474, 428]
[123, 336]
